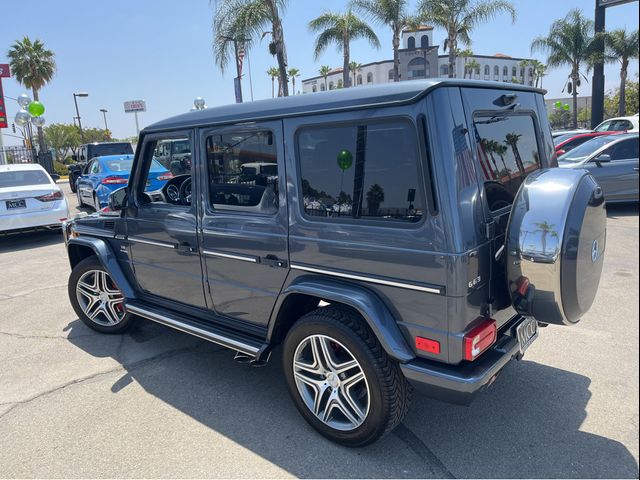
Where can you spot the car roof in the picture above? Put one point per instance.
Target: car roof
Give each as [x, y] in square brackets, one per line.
[21, 166]
[107, 158]
[394, 93]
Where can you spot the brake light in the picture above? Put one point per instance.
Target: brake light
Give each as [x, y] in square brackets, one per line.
[428, 345]
[165, 176]
[479, 339]
[114, 181]
[523, 286]
[560, 152]
[50, 197]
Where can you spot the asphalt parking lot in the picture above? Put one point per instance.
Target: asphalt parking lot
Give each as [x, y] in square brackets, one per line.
[159, 403]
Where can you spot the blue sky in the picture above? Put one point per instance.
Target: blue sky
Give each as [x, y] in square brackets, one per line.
[160, 51]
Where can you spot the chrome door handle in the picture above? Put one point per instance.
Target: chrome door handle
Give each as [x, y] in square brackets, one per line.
[273, 261]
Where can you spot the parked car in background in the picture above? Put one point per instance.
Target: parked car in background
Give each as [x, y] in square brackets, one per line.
[29, 198]
[613, 161]
[557, 133]
[91, 150]
[566, 143]
[619, 124]
[108, 173]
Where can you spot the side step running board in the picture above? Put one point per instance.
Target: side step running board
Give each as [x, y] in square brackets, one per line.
[202, 330]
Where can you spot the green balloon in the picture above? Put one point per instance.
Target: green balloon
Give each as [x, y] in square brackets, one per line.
[36, 108]
[345, 159]
[566, 106]
[558, 104]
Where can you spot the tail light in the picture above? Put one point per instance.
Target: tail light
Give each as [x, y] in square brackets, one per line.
[114, 181]
[479, 339]
[165, 176]
[560, 152]
[523, 286]
[50, 197]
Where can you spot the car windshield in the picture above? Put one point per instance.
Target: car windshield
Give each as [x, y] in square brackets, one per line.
[120, 165]
[103, 149]
[563, 138]
[23, 178]
[583, 151]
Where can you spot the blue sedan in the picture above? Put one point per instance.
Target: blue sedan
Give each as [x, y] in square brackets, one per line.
[106, 174]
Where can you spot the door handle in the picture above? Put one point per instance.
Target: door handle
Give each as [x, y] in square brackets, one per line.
[273, 261]
[186, 247]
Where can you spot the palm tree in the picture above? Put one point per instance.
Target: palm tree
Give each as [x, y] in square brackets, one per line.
[375, 196]
[341, 28]
[355, 67]
[539, 70]
[274, 73]
[545, 228]
[459, 18]
[471, 66]
[293, 73]
[325, 70]
[512, 140]
[570, 42]
[249, 19]
[622, 46]
[501, 150]
[392, 13]
[33, 66]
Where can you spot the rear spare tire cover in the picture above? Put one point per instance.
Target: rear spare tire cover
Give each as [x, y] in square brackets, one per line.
[555, 245]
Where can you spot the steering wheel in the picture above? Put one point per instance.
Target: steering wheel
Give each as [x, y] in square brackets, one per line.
[185, 192]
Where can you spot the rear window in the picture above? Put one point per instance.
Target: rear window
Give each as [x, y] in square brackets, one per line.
[104, 149]
[122, 165]
[23, 178]
[508, 152]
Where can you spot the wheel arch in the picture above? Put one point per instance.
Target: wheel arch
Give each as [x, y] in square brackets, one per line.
[304, 294]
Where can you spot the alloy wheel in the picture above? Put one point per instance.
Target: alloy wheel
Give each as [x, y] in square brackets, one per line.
[331, 382]
[99, 298]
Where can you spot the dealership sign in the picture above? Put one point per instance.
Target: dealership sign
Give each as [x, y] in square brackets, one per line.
[135, 106]
[612, 3]
[4, 70]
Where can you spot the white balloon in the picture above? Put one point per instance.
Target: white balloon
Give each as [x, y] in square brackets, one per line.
[23, 100]
[22, 117]
[38, 121]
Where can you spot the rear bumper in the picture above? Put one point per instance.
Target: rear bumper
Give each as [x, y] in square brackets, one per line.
[44, 218]
[461, 383]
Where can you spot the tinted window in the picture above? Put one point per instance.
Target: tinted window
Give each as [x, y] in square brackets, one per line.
[624, 150]
[120, 165]
[23, 178]
[168, 182]
[109, 149]
[508, 152]
[243, 171]
[575, 143]
[360, 171]
[581, 152]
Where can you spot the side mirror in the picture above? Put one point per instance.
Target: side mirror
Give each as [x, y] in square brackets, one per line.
[117, 199]
[602, 158]
[55, 177]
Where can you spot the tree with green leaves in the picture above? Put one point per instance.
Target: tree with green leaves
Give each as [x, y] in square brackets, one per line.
[459, 18]
[341, 29]
[355, 67]
[621, 46]
[63, 138]
[471, 66]
[394, 14]
[33, 66]
[293, 73]
[512, 140]
[274, 73]
[375, 196]
[632, 94]
[324, 71]
[570, 42]
[251, 19]
[539, 71]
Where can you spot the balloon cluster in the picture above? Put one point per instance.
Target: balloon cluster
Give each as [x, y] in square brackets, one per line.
[30, 111]
[559, 106]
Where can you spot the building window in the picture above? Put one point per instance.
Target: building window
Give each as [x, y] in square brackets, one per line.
[487, 72]
[322, 87]
[424, 41]
[496, 73]
[391, 74]
[505, 73]
[411, 42]
[340, 85]
[444, 70]
[522, 72]
[381, 181]
[531, 72]
[331, 86]
[418, 68]
[369, 77]
[514, 71]
[477, 73]
[314, 89]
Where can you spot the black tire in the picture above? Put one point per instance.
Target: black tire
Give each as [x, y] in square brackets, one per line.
[390, 393]
[96, 202]
[79, 197]
[83, 267]
[72, 183]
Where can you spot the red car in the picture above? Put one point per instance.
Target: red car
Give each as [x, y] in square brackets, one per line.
[567, 142]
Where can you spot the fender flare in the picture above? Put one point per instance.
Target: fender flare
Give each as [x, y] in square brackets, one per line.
[367, 303]
[106, 256]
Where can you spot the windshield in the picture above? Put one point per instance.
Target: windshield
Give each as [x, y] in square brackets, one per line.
[563, 138]
[121, 165]
[23, 178]
[103, 149]
[583, 151]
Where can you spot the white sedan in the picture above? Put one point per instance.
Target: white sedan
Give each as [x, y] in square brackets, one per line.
[29, 199]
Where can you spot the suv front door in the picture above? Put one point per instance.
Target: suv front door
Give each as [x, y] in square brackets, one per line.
[244, 220]
[618, 176]
[161, 229]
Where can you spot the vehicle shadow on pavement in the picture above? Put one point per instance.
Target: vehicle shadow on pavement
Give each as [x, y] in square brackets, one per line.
[617, 210]
[527, 425]
[15, 242]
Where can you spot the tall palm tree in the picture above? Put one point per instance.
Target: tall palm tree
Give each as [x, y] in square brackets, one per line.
[251, 19]
[355, 67]
[293, 73]
[375, 196]
[459, 18]
[570, 42]
[622, 46]
[539, 71]
[470, 66]
[274, 73]
[501, 150]
[512, 140]
[33, 66]
[341, 28]
[392, 13]
[325, 70]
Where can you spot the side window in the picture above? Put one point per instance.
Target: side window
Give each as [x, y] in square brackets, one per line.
[625, 150]
[95, 167]
[243, 171]
[507, 152]
[167, 171]
[620, 126]
[361, 171]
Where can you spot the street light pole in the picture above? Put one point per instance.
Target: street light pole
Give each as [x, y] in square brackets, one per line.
[104, 114]
[75, 95]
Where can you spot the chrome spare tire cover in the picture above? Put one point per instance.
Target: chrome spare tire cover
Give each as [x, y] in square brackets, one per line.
[555, 245]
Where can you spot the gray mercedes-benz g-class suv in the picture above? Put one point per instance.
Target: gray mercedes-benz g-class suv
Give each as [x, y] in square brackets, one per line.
[406, 235]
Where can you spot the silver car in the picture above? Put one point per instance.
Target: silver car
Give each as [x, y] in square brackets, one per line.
[613, 161]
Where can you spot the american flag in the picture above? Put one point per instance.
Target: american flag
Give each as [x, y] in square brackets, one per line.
[465, 171]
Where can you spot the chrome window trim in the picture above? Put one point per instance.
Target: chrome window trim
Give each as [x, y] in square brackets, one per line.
[389, 283]
[151, 242]
[232, 256]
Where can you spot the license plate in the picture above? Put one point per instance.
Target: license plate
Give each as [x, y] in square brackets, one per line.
[527, 332]
[16, 204]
